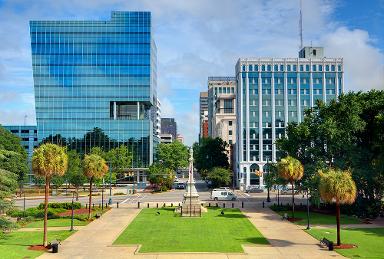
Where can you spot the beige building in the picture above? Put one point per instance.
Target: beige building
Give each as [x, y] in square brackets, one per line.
[222, 108]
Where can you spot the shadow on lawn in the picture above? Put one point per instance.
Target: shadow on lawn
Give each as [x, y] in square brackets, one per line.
[379, 232]
[231, 215]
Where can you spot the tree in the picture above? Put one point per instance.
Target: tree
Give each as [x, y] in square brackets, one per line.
[210, 153]
[160, 176]
[13, 157]
[94, 167]
[8, 185]
[119, 158]
[292, 170]
[49, 160]
[337, 186]
[219, 176]
[173, 155]
[270, 179]
[74, 174]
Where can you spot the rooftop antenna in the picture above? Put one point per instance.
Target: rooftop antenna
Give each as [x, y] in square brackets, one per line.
[301, 25]
[25, 119]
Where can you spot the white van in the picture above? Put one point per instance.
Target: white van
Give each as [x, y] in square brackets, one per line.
[223, 195]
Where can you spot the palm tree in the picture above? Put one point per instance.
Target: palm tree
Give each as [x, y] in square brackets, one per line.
[337, 186]
[94, 167]
[291, 170]
[49, 160]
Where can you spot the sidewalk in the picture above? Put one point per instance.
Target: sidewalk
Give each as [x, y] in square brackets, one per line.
[95, 240]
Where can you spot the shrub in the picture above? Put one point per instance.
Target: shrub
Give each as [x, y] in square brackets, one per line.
[61, 205]
[119, 193]
[35, 213]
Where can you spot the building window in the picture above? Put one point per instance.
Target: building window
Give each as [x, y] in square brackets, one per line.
[24, 131]
[262, 67]
[269, 67]
[327, 68]
[230, 132]
[332, 67]
[306, 67]
[313, 67]
[320, 68]
[301, 68]
[228, 106]
[14, 131]
[281, 67]
[230, 123]
[230, 142]
[256, 67]
[250, 68]
[294, 67]
[276, 68]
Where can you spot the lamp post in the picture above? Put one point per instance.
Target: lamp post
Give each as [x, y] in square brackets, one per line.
[268, 189]
[73, 196]
[308, 227]
[110, 186]
[102, 196]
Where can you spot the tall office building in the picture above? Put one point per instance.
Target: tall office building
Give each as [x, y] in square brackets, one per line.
[95, 83]
[271, 92]
[203, 119]
[169, 126]
[222, 108]
[28, 137]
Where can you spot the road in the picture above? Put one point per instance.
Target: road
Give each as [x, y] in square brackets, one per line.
[170, 196]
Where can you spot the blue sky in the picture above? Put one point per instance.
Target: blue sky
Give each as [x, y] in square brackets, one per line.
[201, 38]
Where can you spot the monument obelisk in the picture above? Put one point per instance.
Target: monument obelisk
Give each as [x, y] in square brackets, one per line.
[191, 205]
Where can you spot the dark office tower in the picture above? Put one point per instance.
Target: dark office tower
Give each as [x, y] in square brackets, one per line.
[169, 126]
[95, 83]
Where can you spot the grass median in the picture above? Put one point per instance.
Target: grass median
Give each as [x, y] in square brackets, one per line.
[213, 232]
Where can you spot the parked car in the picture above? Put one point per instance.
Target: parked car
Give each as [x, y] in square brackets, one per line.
[223, 195]
[254, 189]
[180, 186]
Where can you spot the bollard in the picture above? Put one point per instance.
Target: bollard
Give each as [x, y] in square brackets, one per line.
[263, 204]
[217, 205]
[157, 205]
[233, 205]
[147, 205]
[163, 205]
[242, 204]
[117, 204]
[93, 205]
[138, 205]
[106, 204]
[223, 205]
[209, 204]
[179, 204]
[171, 204]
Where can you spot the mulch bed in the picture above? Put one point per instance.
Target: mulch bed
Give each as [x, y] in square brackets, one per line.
[38, 248]
[345, 246]
[294, 219]
[75, 212]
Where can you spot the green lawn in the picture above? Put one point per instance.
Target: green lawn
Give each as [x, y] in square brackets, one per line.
[212, 232]
[369, 241]
[319, 218]
[15, 244]
[61, 222]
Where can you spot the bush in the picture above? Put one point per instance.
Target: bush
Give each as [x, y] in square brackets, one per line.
[35, 213]
[119, 193]
[6, 224]
[61, 205]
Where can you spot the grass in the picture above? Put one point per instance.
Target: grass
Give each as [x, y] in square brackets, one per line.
[368, 240]
[15, 244]
[169, 232]
[319, 218]
[60, 222]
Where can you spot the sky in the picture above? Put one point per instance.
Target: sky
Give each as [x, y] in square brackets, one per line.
[200, 38]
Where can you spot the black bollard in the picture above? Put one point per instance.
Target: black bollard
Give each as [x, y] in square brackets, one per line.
[209, 204]
[147, 205]
[138, 205]
[217, 205]
[233, 205]
[157, 205]
[164, 205]
[117, 204]
[93, 206]
[242, 204]
[263, 204]
[223, 205]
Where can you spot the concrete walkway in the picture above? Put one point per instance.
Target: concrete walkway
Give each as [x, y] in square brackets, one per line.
[95, 240]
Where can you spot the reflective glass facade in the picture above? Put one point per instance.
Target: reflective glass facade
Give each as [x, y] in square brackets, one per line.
[95, 83]
[272, 93]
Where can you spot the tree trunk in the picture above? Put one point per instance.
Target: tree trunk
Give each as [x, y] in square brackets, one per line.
[90, 198]
[293, 200]
[268, 197]
[77, 193]
[45, 241]
[338, 222]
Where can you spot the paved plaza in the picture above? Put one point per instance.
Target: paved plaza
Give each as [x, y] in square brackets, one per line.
[95, 240]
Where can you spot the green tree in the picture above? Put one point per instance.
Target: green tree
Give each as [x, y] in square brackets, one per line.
[160, 176]
[173, 155]
[49, 160]
[119, 159]
[291, 170]
[75, 174]
[13, 156]
[210, 153]
[219, 177]
[337, 186]
[94, 167]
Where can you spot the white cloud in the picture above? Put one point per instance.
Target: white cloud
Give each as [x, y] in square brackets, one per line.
[364, 64]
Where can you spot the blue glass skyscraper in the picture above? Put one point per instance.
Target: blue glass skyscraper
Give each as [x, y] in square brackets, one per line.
[95, 83]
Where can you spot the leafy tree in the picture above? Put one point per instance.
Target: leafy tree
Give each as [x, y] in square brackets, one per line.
[160, 176]
[57, 181]
[94, 167]
[173, 155]
[74, 174]
[219, 177]
[49, 160]
[8, 185]
[337, 186]
[119, 158]
[210, 153]
[13, 156]
[292, 170]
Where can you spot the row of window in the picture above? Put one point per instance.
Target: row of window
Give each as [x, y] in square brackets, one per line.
[292, 80]
[224, 90]
[289, 68]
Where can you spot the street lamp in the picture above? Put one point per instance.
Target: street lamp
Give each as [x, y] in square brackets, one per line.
[308, 227]
[73, 196]
[102, 196]
[110, 186]
[268, 197]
